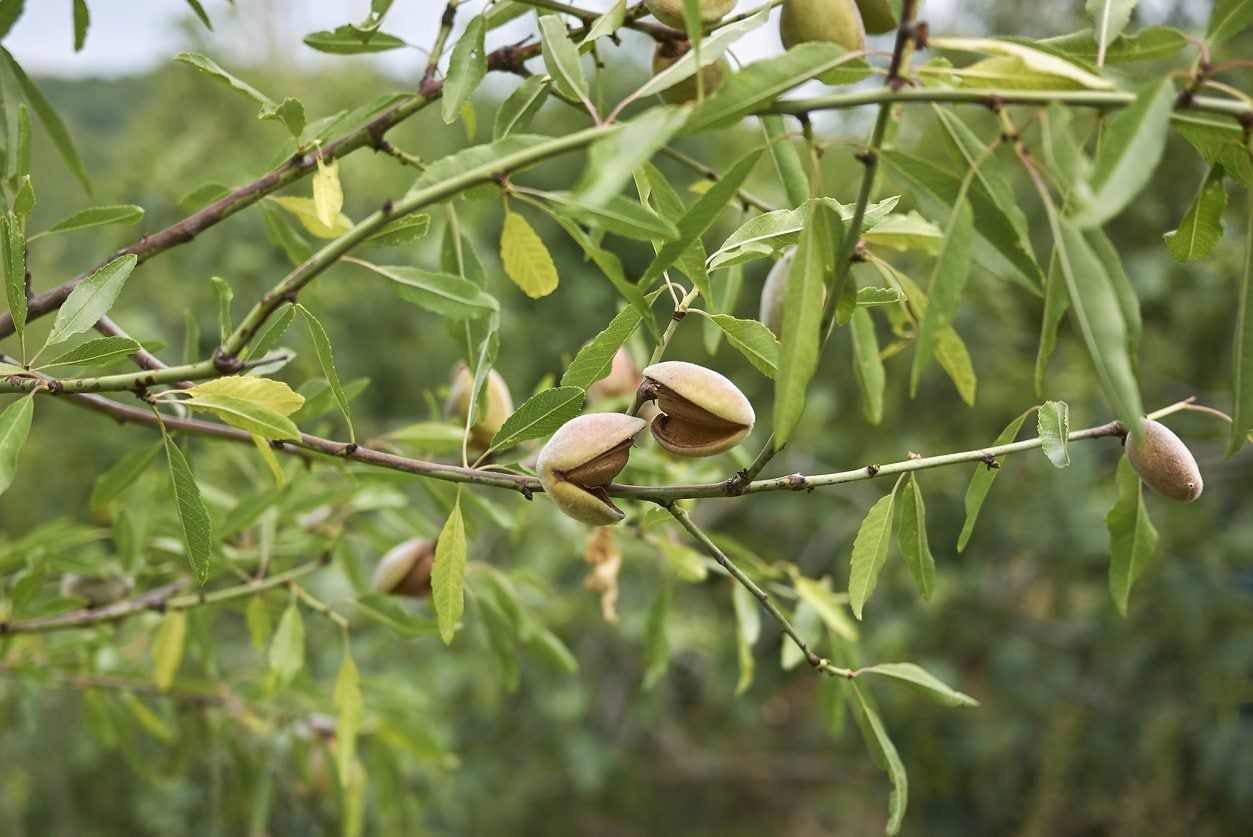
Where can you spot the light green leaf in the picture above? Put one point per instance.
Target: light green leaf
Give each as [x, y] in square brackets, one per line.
[884, 750]
[539, 415]
[192, 515]
[1109, 19]
[444, 294]
[1242, 352]
[13, 254]
[872, 296]
[1132, 537]
[912, 536]
[1202, 224]
[275, 396]
[948, 280]
[747, 632]
[687, 563]
[1035, 60]
[49, 119]
[606, 24]
[115, 480]
[246, 415]
[922, 681]
[526, 260]
[97, 216]
[1053, 423]
[91, 299]
[199, 12]
[519, 107]
[787, 160]
[448, 573]
[1228, 19]
[349, 708]
[212, 69]
[287, 648]
[618, 215]
[711, 49]
[466, 68]
[830, 607]
[982, 480]
[404, 230]
[595, 359]
[97, 352]
[346, 41]
[772, 233]
[388, 612]
[656, 640]
[867, 365]
[222, 290]
[870, 551]
[14, 427]
[612, 158]
[328, 193]
[906, 232]
[1152, 43]
[1129, 151]
[751, 339]
[167, 648]
[561, 57]
[1220, 143]
[322, 347]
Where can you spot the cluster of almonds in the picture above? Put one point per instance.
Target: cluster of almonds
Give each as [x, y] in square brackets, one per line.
[843, 22]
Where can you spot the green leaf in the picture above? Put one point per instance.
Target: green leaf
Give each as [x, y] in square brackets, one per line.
[98, 352]
[440, 293]
[10, 11]
[212, 69]
[246, 415]
[1219, 143]
[1202, 224]
[49, 119]
[772, 233]
[906, 232]
[561, 57]
[1056, 301]
[870, 551]
[466, 68]
[787, 160]
[349, 708]
[275, 396]
[618, 215]
[912, 536]
[884, 750]
[388, 612]
[345, 41]
[1228, 19]
[98, 216]
[802, 317]
[1132, 537]
[403, 230]
[1128, 302]
[448, 573]
[687, 563]
[950, 351]
[257, 618]
[807, 622]
[948, 280]
[199, 12]
[13, 253]
[222, 290]
[525, 258]
[762, 82]
[1109, 19]
[322, 347]
[871, 296]
[1130, 149]
[829, 606]
[1242, 352]
[14, 427]
[1032, 61]
[595, 359]
[982, 480]
[91, 299]
[1152, 43]
[922, 681]
[751, 339]
[519, 107]
[167, 648]
[287, 648]
[82, 20]
[607, 24]
[612, 158]
[867, 365]
[539, 415]
[282, 234]
[192, 515]
[1053, 423]
[711, 49]
[747, 632]
[656, 639]
[115, 480]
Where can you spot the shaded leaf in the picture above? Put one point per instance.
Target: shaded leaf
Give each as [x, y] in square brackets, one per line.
[870, 551]
[167, 648]
[1053, 423]
[751, 339]
[192, 515]
[982, 480]
[322, 348]
[287, 647]
[1202, 224]
[14, 427]
[922, 681]
[1132, 537]
[912, 536]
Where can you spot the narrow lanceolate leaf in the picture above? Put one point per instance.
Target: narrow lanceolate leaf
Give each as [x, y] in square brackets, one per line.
[13, 253]
[345, 41]
[539, 415]
[885, 755]
[656, 639]
[192, 515]
[1098, 314]
[867, 365]
[870, 551]
[167, 648]
[246, 415]
[49, 119]
[225, 294]
[561, 57]
[98, 352]
[747, 632]
[519, 107]
[701, 216]
[922, 681]
[401, 231]
[618, 215]
[906, 232]
[912, 536]
[1056, 301]
[1217, 142]
[1202, 225]
[466, 68]
[349, 708]
[1242, 362]
[1031, 61]
[1053, 422]
[594, 360]
[287, 648]
[802, 317]
[91, 299]
[787, 160]
[328, 193]
[1129, 152]
[1228, 19]
[751, 339]
[98, 216]
[831, 608]
[1109, 18]
[14, 427]
[115, 480]
[322, 348]
[711, 49]
[10, 12]
[200, 13]
[1132, 537]
[611, 159]
[948, 280]
[448, 574]
[526, 260]
[445, 294]
[607, 23]
[982, 480]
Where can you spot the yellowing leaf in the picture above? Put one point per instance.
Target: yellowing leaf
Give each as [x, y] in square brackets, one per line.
[167, 648]
[448, 574]
[306, 212]
[328, 194]
[268, 393]
[525, 257]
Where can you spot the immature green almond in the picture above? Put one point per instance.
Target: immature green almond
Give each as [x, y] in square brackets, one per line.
[712, 75]
[1165, 464]
[837, 21]
[405, 570]
[702, 413]
[670, 12]
[581, 458]
[97, 591]
[877, 16]
[499, 404]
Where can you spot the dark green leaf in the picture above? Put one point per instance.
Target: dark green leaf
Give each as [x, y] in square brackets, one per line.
[1228, 19]
[14, 427]
[404, 230]
[1242, 361]
[912, 536]
[49, 119]
[594, 360]
[881, 745]
[466, 68]
[440, 293]
[322, 347]
[82, 20]
[1202, 224]
[192, 515]
[13, 253]
[519, 107]
[97, 352]
[751, 339]
[345, 41]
